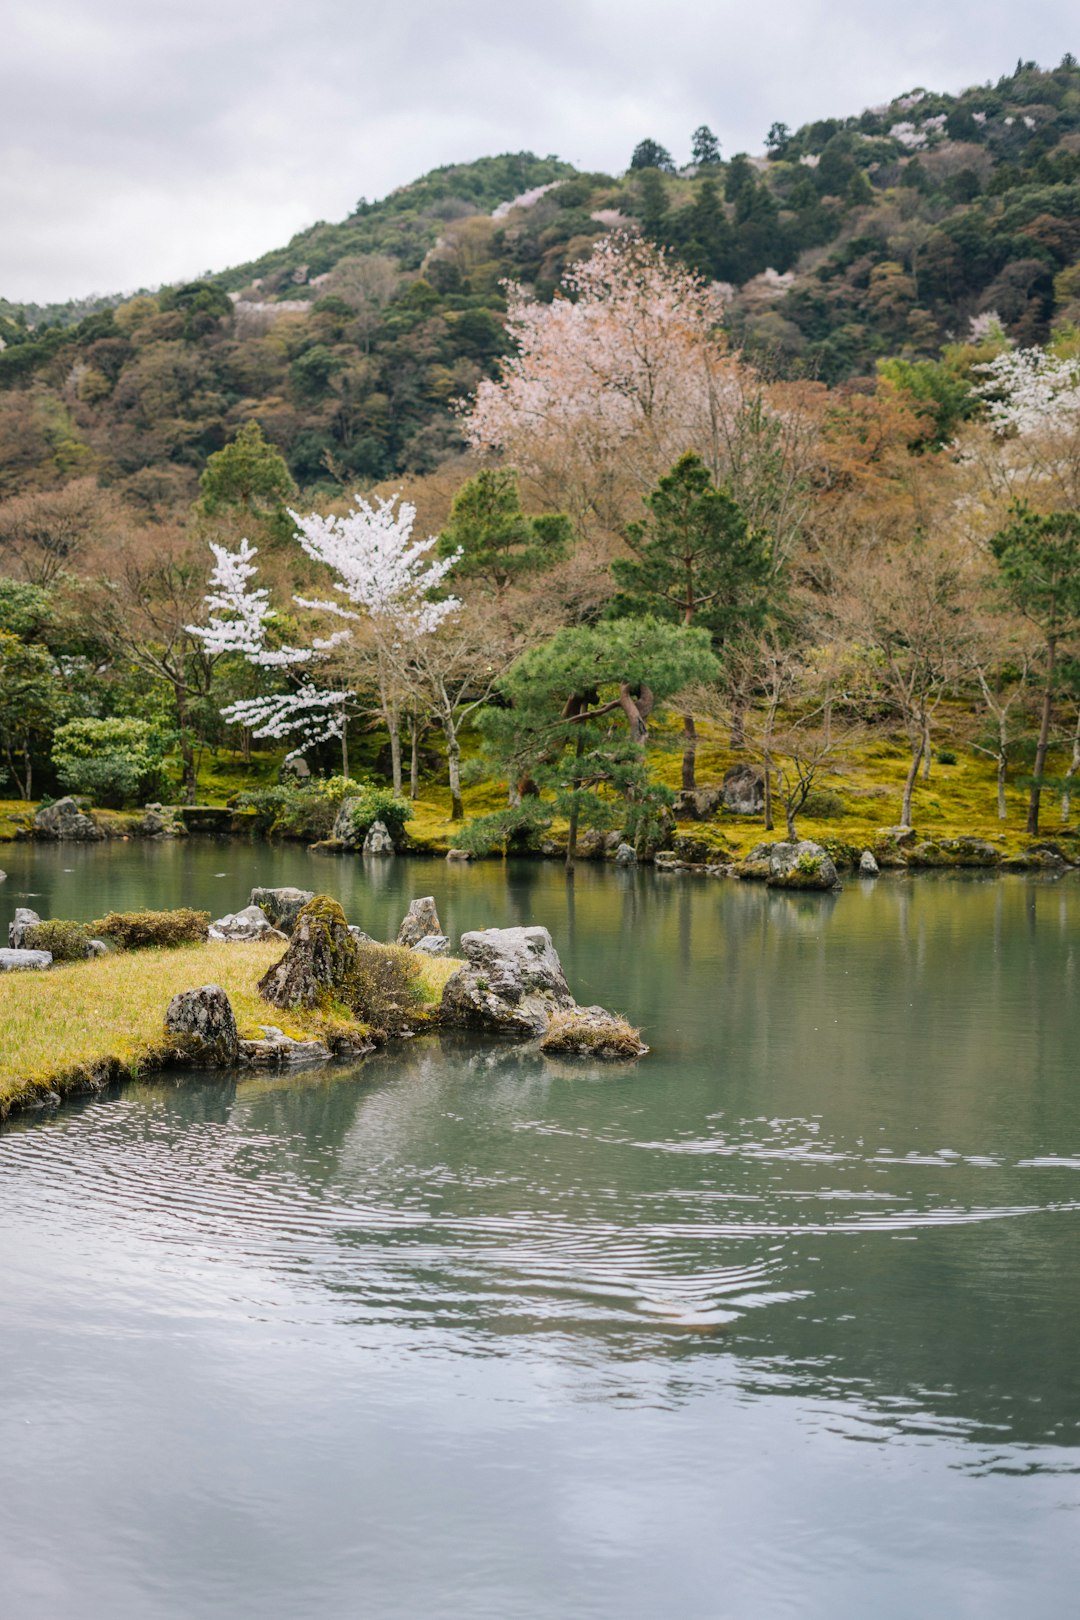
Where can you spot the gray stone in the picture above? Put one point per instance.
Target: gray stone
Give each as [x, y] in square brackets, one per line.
[420, 919]
[360, 937]
[459, 855]
[281, 906]
[3, 877]
[322, 957]
[700, 804]
[204, 1019]
[298, 768]
[241, 926]
[625, 855]
[64, 821]
[743, 791]
[378, 840]
[433, 945]
[163, 821]
[510, 982]
[98, 947]
[804, 865]
[343, 830]
[12, 961]
[24, 919]
[593, 1032]
[868, 867]
[278, 1048]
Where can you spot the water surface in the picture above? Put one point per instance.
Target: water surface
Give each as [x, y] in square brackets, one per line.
[780, 1322]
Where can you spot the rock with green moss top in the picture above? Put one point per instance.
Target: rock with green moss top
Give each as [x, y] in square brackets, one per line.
[282, 906]
[891, 845]
[952, 852]
[802, 865]
[320, 962]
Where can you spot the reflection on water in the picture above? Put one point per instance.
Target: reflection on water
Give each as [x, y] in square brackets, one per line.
[787, 1312]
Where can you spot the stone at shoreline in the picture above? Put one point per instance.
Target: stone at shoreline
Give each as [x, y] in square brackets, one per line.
[433, 945]
[360, 937]
[281, 906]
[804, 865]
[420, 920]
[13, 961]
[625, 855]
[321, 958]
[343, 832]
[743, 791]
[378, 840]
[699, 804]
[204, 1020]
[163, 821]
[24, 919]
[278, 1048]
[241, 926]
[64, 821]
[3, 877]
[459, 855]
[868, 867]
[511, 982]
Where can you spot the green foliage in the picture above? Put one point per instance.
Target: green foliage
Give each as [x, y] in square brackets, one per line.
[247, 473]
[696, 560]
[67, 941]
[1039, 558]
[498, 544]
[515, 828]
[141, 930]
[704, 148]
[26, 610]
[384, 989]
[649, 154]
[32, 702]
[308, 810]
[379, 804]
[114, 761]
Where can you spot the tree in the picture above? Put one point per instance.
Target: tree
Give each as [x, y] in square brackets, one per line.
[695, 561]
[575, 712]
[649, 154]
[114, 760]
[248, 473]
[704, 148]
[777, 139]
[48, 532]
[492, 541]
[32, 702]
[1039, 558]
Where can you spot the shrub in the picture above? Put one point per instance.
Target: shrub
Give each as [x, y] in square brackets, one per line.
[308, 810]
[68, 941]
[114, 761]
[823, 805]
[946, 756]
[135, 930]
[517, 827]
[379, 804]
[580, 1031]
[385, 988]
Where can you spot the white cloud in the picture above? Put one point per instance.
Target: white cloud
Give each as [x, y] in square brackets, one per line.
[142, 143]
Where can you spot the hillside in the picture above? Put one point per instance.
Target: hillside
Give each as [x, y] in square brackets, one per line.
[853, 240]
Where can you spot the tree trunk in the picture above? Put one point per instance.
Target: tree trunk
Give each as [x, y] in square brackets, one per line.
[453, 763]
[1001, 806]
[689, 759]
[768, 791]
[1074, 766]
[414, 757]
[909, 783]
[1044, 738]
[926, 749]
[571, 836]
[738, 725]
[187, 752]
[344, 747]
[789, 817]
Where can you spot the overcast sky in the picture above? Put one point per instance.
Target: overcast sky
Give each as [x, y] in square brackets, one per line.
[143, 142]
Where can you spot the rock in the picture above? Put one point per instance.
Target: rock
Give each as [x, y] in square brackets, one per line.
[278, 1048]
[590, 845]
[204, 1019]
[378, 840]
[163, 821]
[298, 768]
[420, 919]
[433, 945]
[743, 791]
[241, 926]
[3, 877]
[700, 804]
[511, 982]
[868, 867]
[804, 865]
[12, 961]
[592, 1032]
[281, 906]
[98, 947]
[321, 958]
[64, 821]
[24, 918]
[459, 855]
[666, 860]
[625, 855]
[344, 831]
[1036, 858]
[360, 937]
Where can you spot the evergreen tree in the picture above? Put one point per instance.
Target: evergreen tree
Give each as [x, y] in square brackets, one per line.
[496, 543]
[649, 154]
[248, 473]
[704, 148]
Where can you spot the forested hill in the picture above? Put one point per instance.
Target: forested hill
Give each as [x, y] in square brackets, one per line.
[852, 240]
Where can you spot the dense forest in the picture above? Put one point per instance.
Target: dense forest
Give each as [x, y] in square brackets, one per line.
[775, 445]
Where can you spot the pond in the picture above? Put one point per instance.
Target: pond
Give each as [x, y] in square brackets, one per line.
[781, 1321]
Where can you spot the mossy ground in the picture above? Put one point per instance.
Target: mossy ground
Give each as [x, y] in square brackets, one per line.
[60, 1026]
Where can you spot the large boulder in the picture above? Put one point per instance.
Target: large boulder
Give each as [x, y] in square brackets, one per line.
[281, 906]
[242, 926]
[625, 855]
[420, 919]
[344, 829]
[868, 867]
[699, 804]
[378, 840]
[276, 1048]
[511, 982]
[744, 790]
[804, 865]
[203, 1019]
[14, 961]
[433, 945]
[64, 821]
[163, 821]
[23, 920]
[321, 959]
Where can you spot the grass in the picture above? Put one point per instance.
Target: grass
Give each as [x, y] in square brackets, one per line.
[73, 1028]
